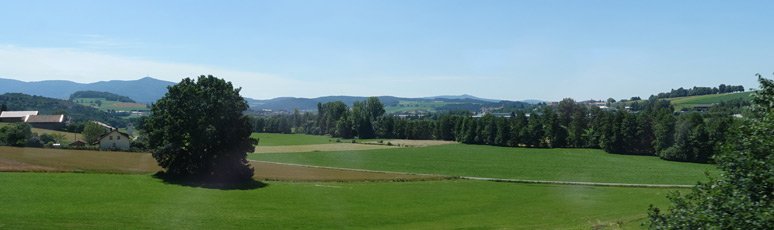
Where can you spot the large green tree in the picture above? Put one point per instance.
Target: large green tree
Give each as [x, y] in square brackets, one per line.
[92, 131]
[198, 132]
[15, 134]
[741, 197]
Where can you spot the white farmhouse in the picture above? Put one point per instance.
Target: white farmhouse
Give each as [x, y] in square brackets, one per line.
[114, 140]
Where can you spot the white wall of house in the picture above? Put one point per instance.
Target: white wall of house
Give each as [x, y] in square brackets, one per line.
[114, 140]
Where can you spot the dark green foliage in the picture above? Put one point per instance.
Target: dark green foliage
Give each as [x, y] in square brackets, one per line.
[329, 115]
[92, 132]
[691, 140]
[385, 127]
[503, 132]
[198, 132]
[17, 134]
[695, 91]
[741, 198]
[535, 132]
[364, 114]
[664, 130]
[344, 127]
[445, 129]
[518, 129]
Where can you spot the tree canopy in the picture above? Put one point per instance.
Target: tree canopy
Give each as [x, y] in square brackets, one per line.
[741, 197]
[198, 132]
[92, 131]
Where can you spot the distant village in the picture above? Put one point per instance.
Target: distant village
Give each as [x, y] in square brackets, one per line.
[112, 139]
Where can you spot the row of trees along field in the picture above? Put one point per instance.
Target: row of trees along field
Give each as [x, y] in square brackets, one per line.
[649, 127]
[696, 91]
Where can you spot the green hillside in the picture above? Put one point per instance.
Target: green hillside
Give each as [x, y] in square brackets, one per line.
[692, 101]
[106, 104]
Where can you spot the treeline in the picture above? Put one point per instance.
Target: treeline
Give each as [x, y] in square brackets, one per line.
[653, 129]
[96, 94]
[696, 91]
[21, 135]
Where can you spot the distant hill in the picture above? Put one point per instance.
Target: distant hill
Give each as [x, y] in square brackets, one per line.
[533, 101]
[147, 90]
[144, 90]
[392, 104]
[462, 97]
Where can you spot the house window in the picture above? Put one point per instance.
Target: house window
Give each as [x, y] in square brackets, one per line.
[118, 137]
[111, 138]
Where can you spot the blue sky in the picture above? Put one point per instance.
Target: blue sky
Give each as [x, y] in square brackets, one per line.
[495, 49]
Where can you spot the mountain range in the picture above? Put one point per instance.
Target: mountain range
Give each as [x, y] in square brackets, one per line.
[148, 90]
[144, 90]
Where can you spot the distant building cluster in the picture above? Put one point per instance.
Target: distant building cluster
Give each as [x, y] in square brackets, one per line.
[33, 119]
[111, 140]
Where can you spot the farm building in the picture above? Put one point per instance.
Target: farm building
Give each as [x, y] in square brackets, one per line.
[46, 121]
[16, 116]
[115, 140]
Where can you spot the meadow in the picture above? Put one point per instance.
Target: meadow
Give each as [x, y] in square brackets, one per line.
[691, 101]
[585, 165]
[55, 189]
[67, 200]
[276, 139]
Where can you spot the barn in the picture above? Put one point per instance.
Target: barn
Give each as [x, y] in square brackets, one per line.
[54, 122]
[16, 116]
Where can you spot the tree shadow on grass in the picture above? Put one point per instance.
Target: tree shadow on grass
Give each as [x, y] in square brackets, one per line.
[249, 184]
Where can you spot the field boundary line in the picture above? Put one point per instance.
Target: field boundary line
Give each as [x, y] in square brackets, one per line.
[358, 170]
[522, 181]
[606, 184]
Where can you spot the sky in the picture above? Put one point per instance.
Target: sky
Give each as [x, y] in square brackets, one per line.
[509, 49]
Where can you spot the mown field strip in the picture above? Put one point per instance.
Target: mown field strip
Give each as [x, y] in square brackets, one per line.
[586, 165]
[494, 179]
[131, 201]
[357, 170]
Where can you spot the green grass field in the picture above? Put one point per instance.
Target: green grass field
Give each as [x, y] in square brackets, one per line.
[116, 190]
[105, 201]
[110, 105]
[689, 102]
[587, 165]
[277, 139]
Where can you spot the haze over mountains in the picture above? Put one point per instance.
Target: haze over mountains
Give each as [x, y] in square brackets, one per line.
[148, 90]
[144, 90]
